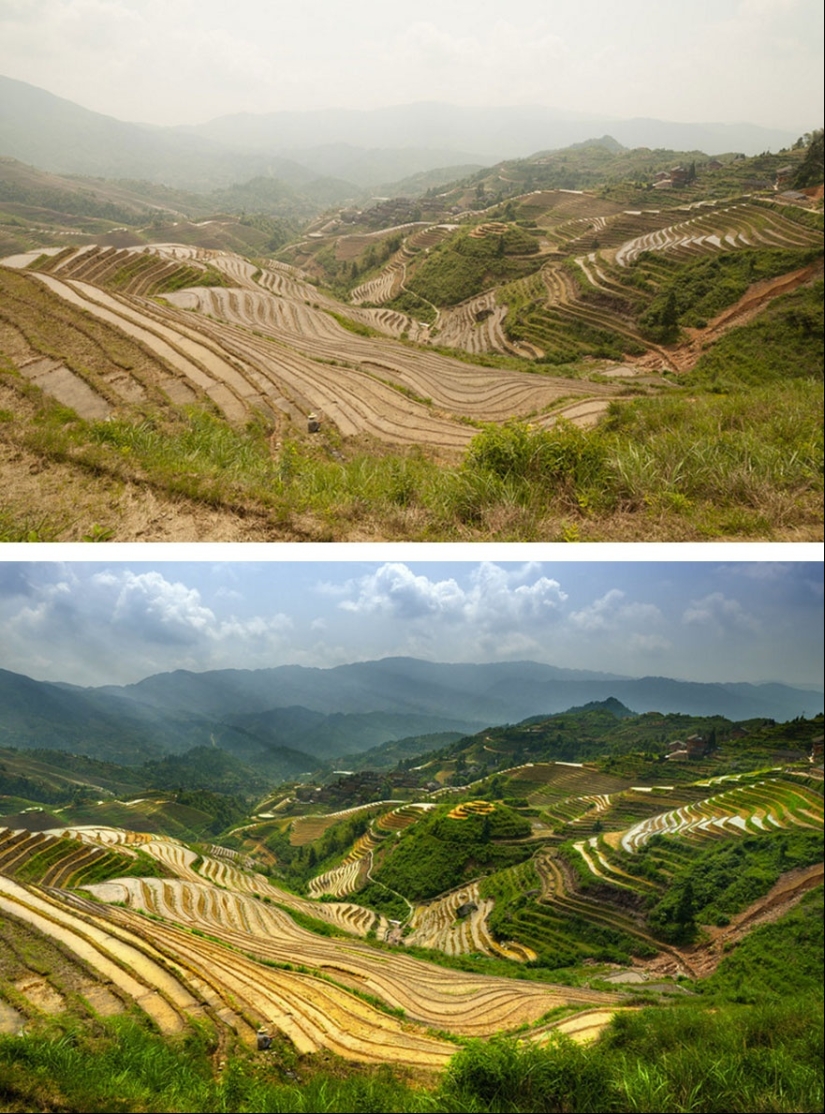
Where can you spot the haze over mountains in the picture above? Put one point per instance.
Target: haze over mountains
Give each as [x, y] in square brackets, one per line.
[324, 713]
[363, 149]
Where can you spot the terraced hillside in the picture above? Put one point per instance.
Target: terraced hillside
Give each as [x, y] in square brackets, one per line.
[178, 390]
[227, 953]
[583, 876]
[623, 877]
[598, 300]
[305, 361]
[355, 870]
[578, 293]
[594, 890]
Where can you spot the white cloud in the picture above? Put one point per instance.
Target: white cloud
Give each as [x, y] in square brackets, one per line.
[611, 613]
[493, 600]
[496, 613]
[116, 624]
[720, 613]
[93, 624]
[395, 590]
[155, 609]
[228, 594]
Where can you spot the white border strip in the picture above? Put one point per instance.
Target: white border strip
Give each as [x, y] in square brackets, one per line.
[262, 552]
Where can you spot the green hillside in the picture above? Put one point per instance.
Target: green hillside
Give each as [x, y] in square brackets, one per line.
[441, 851]
[466, 264]
[699, 884]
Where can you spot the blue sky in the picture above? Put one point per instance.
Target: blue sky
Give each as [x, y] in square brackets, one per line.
[191, 60]
[114, 621]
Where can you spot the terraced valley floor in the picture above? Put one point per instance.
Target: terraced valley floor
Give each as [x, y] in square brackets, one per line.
[266, 344]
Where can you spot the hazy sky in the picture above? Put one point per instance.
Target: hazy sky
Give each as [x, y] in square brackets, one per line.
[94, 623]
[186, 61]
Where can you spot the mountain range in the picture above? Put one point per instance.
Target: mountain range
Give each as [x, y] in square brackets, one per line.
[295, 717]
[358, 150]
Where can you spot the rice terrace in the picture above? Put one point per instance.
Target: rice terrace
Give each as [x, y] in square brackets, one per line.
[503, 357]
[663, 895]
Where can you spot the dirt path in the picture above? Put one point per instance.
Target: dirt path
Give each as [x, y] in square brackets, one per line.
[752, 302]
[65, 502]
[704, 959]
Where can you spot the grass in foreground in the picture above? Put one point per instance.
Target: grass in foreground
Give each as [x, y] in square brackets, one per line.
[751, 1042]
[704, 465]
[734, 1058]
[736, 451]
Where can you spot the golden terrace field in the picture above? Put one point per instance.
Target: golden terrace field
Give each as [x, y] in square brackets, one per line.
[187, 934]
[304, 361]
[225, 952]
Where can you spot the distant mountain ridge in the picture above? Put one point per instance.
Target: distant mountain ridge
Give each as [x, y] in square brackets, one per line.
[364, 148]
[327, 713]
[492, 692]
[493, 132]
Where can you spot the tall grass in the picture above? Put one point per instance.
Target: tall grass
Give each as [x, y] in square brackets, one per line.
[732, 449]
[500, 1075]
[748, 461]
[28, 528]
[752, 1059]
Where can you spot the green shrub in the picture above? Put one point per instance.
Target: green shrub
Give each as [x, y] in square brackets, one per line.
[502, 1075]
[564, 454]
[785, 342]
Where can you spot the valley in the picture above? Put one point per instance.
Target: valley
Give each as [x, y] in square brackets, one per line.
[523, 354]
[552, 899]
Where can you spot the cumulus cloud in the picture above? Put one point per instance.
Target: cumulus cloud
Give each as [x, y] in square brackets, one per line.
[155, 609]
[720, 613]
[159, 610]
[493, 599]
[117, 622]
[496, 612]
[395, 590]
[99, 623]
[612, 612]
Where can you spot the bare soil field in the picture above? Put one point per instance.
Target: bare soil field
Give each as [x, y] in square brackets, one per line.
[58, 498]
